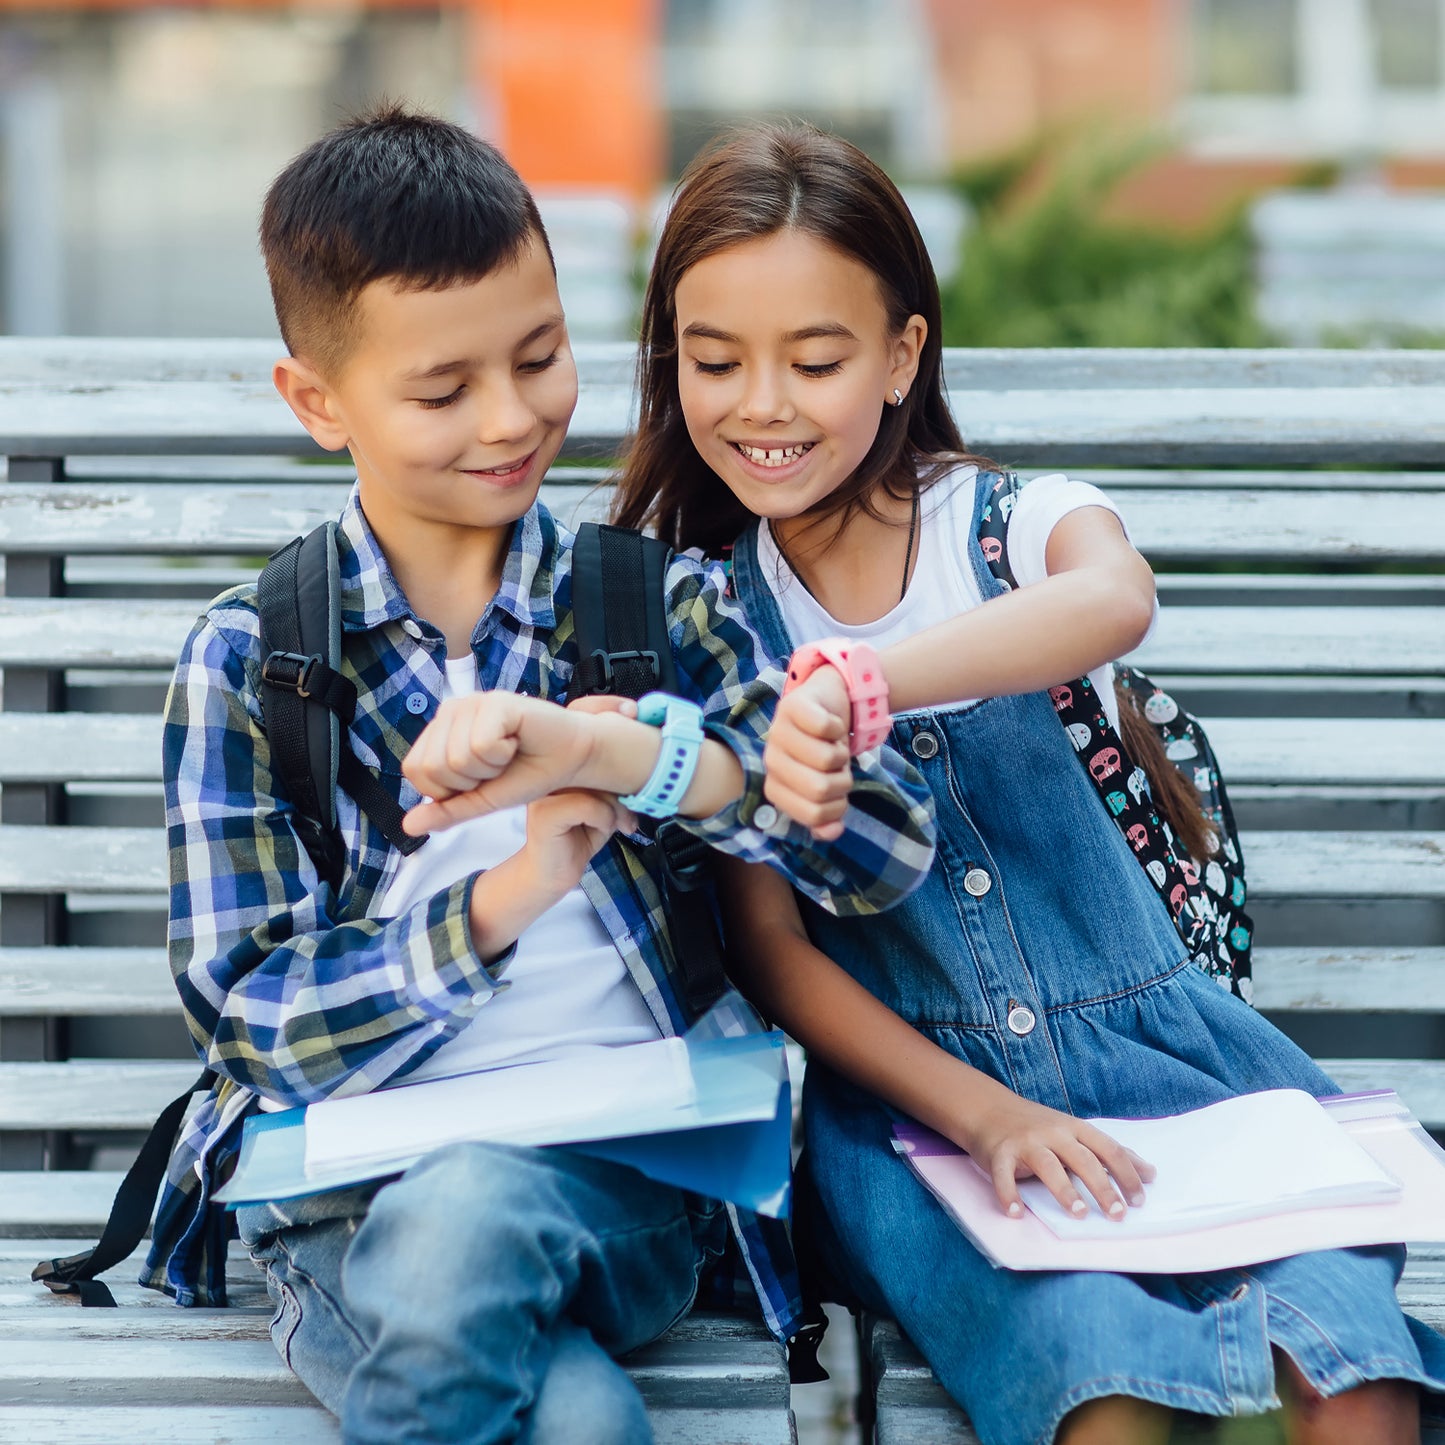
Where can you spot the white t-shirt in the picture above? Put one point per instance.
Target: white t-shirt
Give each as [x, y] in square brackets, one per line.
[943, 582]
[566, 989]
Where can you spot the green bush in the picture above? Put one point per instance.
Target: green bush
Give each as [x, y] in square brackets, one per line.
[1043, 265]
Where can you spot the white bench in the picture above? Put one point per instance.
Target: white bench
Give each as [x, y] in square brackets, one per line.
[145, 476]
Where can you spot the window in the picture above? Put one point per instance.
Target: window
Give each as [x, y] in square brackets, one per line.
[1245, 47]
[1406, 37]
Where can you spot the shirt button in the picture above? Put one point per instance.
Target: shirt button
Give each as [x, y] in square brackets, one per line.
[1021, 1020]
[924, 745]
[765, 816]
[417, 703]
[411, 626]
[977, 882]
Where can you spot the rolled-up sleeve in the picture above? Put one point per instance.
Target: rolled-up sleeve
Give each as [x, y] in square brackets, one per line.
[886, 847]
[279, 993]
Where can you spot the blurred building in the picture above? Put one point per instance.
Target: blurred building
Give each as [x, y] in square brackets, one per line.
[136, 140]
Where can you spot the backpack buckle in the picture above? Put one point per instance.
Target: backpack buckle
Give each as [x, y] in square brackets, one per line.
[603, 661]
[291, 671]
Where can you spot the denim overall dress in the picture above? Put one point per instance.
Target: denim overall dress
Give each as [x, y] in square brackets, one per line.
[1038, 951]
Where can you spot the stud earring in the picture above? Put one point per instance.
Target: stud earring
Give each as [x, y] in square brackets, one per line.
[897, 397]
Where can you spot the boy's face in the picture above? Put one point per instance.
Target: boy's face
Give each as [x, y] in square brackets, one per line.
[454, 402]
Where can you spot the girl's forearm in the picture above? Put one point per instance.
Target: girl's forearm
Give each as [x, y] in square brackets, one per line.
[1029, 639]
[841, 1024]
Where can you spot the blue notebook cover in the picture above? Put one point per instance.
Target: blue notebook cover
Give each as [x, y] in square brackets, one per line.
[732, 1142]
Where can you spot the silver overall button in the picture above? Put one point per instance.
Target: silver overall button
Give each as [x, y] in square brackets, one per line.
[765, 816]
[924, 745]
[1021, 1020]
[977, 882]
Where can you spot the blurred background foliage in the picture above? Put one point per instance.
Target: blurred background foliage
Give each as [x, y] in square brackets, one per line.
[1047, 262]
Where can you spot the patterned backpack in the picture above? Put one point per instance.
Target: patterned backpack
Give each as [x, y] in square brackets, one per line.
[1205, 896]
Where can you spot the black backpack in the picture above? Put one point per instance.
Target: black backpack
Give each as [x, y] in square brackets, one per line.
[620, 617]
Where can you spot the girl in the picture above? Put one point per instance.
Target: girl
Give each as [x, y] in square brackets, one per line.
[792, 398]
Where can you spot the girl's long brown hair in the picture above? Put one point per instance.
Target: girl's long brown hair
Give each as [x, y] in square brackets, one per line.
[751, 183]
[754, 182]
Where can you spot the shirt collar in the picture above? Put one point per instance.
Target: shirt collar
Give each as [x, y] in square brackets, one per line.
[370, 595]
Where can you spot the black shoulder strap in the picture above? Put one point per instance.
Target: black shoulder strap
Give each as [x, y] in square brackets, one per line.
[130, 1214]
[307, 701]
[619, 612]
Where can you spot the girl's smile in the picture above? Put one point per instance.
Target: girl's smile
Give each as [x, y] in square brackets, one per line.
[785, 363]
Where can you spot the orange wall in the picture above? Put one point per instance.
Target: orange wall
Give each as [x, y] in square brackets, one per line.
[1007, 68]
[569, 89]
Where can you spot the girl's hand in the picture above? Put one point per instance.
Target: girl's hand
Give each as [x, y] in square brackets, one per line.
[810, 771]
[1016, 1139]
[492, 750]
[564, 830]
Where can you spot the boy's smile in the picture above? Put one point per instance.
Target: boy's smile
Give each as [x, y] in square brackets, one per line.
[454, 402]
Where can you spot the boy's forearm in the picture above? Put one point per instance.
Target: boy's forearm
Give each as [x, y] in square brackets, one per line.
[624, 752]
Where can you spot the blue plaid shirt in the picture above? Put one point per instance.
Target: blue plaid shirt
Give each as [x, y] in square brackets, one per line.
[296, 992]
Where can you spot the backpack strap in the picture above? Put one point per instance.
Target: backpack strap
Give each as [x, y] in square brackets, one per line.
[130, 1214]
[1120, 783]
[619, 612]
[306, 700]
[619, 615]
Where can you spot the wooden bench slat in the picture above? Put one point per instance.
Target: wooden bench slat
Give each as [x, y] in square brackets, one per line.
[1295, 641]
[80, 981]
[80, 1424]
[1280, 752]
[1282, 864]
[1282, 641]
[108, 1095]
[63, 1321]
[162, 519]
[136, 982]
[129, 1095]
[1363, 980]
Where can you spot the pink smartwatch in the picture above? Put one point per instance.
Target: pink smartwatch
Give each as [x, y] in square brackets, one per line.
[862, 676]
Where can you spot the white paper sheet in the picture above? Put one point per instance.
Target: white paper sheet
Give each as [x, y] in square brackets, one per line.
[1378, 1122]
[1238, 1159]
[589, 1095]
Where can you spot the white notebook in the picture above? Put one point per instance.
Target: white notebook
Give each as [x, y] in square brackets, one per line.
[587, 1095]
[1240, 1159]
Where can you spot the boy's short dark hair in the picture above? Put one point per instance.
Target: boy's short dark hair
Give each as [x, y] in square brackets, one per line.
[396, 194]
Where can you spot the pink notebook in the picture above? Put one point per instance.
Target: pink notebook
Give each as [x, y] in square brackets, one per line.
[1377, 1121]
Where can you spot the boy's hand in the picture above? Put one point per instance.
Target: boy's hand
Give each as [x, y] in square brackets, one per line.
[564, 830]
[1015, 1138]
[810, 771]
[492, 750]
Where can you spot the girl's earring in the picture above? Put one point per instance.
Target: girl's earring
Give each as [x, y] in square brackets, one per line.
[897, 397]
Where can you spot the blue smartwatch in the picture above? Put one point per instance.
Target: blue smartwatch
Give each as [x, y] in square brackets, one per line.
[682, 738]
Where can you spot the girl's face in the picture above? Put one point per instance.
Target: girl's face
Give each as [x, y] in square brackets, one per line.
[785, 363]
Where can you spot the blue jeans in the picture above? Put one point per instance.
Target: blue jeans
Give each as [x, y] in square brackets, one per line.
[482, 1295]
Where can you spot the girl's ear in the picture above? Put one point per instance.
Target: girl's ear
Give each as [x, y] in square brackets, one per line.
[907, 349]
[305, 391]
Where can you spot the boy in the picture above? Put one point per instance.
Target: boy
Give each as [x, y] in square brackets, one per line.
[484, 1292]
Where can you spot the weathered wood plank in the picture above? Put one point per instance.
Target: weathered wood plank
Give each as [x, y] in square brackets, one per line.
[125, 1095]
[88, 397]
[79, 747]
[1280, 752]
[225, 518]
[1295, 641]
[82, 860]
[86, 1424]
[82, 981]
[108, 1095]
[1283, 864]
[136, 982]
[1350, 980]
[1279, 641]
